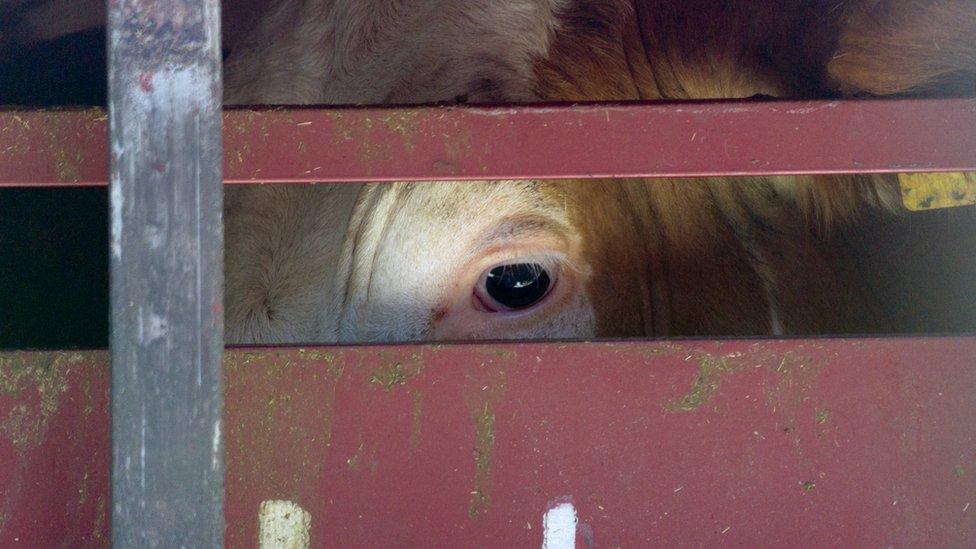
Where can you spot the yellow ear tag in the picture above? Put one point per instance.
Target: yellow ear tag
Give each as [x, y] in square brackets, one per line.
[930, 191]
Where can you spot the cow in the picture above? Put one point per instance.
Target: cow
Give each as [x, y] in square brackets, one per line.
[576, 259]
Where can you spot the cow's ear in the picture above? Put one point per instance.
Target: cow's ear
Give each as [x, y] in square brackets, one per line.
[905, 47]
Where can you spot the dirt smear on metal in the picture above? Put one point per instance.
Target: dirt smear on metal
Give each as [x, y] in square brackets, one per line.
[33, 387]
[706, 384]
[794, 374]
[58, 134]
[483, 395]
[394, 372]
[36, 381]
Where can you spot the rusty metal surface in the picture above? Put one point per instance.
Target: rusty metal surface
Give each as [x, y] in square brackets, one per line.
[599, 140]
[858, 442]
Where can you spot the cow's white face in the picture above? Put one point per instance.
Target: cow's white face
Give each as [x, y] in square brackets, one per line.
[420, 263]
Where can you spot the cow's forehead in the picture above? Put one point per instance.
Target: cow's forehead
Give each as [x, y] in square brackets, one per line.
[446, 198]
[433, 210]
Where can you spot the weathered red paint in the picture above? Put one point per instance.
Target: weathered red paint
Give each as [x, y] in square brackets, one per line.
[596, 140]
[53, 147]
[857, 442]
[54, 449]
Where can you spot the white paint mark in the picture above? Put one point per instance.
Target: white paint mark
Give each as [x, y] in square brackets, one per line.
[152, 328]
[140, 327]
[283, 525]
[116, 230]
[199, 360]
[142, 448]
[215, 449]
[559, 527]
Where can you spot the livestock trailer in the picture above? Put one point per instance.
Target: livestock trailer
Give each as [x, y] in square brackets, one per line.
[168, 439]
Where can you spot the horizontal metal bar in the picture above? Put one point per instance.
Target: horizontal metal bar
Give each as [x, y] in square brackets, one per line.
[567, 141]
[853, 442]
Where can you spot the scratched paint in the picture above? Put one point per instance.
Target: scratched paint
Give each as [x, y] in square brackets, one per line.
[796, 378]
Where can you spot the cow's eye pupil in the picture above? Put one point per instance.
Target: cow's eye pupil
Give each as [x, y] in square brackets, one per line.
[517, 286]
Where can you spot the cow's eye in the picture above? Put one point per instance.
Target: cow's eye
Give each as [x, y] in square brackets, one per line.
[514, 286]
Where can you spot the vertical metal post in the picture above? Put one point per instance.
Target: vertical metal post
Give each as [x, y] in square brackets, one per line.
[166, 272]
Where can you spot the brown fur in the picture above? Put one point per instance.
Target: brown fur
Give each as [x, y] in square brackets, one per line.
[666, 246]
[889, 47]
[713, 244]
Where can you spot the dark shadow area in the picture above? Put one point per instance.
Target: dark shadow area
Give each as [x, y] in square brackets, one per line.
[66, 71]
[922, 266]
[54, 242]
[54, 268]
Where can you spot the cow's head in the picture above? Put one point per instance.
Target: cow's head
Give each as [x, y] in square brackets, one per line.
[530, 259]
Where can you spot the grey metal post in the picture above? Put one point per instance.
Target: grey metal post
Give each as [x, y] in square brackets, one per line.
[166, 272]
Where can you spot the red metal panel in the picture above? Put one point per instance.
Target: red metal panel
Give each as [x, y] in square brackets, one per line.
[597, 140]
[54, 449]
[54, 147]
[811, 442]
